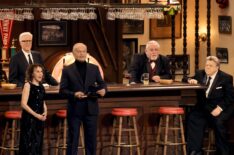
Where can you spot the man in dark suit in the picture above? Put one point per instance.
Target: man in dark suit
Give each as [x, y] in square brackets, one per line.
[214, 107]
[150, 62]
[20, 62]
[81, 82]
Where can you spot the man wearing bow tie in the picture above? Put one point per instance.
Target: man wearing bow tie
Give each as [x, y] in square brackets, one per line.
[214, 107]
[150, 62]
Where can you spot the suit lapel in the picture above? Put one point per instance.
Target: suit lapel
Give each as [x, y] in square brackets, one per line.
[35, 59]
[158, 64]
[213, 86]
[147, 66]
[24, 60]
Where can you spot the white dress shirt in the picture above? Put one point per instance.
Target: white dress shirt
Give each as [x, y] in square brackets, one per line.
[211, 82]
[26, 56]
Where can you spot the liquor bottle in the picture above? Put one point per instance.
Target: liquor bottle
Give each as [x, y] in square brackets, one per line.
[13, 49]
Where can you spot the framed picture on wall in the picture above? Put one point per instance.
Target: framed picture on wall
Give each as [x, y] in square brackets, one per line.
[133, 26]
[225, 24]
[132, 1]
[222, 54]
[52, 33]
[129, 49]
[179, 59]
[161, 28]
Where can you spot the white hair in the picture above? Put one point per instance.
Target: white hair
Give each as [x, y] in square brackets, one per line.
[152, 42]
[24, 34]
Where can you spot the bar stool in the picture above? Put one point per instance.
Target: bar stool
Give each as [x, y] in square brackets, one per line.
[118, 129]
[171, 120]
[11, 129]
[62, 133]
[211, 142]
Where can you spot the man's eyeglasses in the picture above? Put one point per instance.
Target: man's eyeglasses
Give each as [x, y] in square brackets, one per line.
[26, 41]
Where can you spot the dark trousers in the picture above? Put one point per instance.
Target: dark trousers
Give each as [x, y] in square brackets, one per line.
[197, 122]
[90, 133]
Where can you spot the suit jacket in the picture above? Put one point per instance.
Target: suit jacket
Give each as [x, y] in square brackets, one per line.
[18, 67]
[72, 82]
[221, 92]
[140, 65]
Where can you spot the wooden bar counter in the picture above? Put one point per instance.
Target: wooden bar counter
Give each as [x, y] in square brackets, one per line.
[146, 98]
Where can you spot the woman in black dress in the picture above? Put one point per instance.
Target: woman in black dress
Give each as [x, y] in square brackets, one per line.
[34, 112]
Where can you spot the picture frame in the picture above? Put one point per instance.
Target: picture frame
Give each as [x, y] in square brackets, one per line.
[132, 1]
[161, 28]
[222, 54]
[179, 59]
[133, 26]
[52, 33]
[225, 24]
[130, 47]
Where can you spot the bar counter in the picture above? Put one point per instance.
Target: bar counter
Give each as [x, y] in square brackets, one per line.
[146, 98]
[113, 89]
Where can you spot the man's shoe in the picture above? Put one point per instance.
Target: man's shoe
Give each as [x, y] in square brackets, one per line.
[196, 153]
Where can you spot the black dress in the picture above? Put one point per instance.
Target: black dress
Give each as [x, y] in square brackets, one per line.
[31, 128]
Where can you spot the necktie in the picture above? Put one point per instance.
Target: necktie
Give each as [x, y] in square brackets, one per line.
[29, 59]
[208, 82]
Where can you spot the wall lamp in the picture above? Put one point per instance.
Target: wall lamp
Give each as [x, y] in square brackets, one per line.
[202, 37]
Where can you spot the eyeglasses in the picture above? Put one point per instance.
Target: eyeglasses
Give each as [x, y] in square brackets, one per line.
[26, 41]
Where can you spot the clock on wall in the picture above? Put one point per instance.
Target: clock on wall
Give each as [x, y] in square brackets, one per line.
[225, 24]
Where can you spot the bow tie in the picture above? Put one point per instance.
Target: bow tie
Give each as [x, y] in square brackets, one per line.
[152, 61]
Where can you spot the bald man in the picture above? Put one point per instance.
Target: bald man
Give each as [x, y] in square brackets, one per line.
[82, 83]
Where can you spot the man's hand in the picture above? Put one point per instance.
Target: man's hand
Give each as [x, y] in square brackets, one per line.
[156, 78]
[80, 95]
[101, 92]
[217, 111]
[192, 81]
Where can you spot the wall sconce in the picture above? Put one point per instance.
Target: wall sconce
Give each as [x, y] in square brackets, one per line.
[202, 37]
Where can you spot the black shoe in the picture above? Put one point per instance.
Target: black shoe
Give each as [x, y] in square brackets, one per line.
[195, 153]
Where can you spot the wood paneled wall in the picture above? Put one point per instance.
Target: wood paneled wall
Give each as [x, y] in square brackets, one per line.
[103, 38]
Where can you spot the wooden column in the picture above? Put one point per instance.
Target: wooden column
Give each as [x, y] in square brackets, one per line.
[173, 45]
[208, 28]
[185, 61]
[196, 34]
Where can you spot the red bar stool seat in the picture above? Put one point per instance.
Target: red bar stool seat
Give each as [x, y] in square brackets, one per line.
[62, 133]
[122, 114]
[170, 122]
[12, 129]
